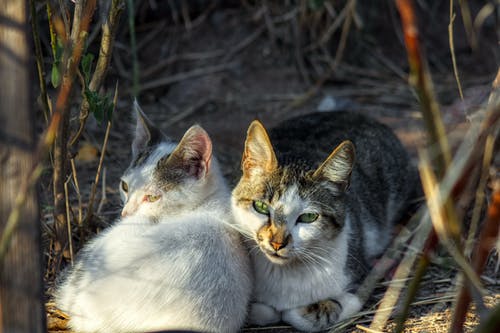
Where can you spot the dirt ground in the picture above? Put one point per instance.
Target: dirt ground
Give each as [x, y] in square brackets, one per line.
[226, 66]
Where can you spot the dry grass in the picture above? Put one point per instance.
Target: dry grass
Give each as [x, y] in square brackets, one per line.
[224, 66]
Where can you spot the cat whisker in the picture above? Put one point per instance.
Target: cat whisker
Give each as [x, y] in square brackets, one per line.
[253, 249]
[243, 231]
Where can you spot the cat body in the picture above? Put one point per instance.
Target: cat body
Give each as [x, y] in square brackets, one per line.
[318, 218]
[173, 260]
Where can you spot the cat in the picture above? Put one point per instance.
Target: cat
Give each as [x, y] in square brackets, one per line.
[173, 260]
[316, 227]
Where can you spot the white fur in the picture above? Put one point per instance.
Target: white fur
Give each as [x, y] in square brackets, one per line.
[176, 263]
[137, 177]
[187, 272]
[177, 199]
[350, 304]
[283, 288]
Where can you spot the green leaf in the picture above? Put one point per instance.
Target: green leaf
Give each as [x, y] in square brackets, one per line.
[101, 106]
[87, 67]
[58, 50]
[55, 75]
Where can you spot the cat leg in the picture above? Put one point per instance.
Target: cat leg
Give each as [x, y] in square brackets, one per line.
[262, 314]
[323, 314]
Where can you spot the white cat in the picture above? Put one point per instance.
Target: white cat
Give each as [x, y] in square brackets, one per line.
[173, 261]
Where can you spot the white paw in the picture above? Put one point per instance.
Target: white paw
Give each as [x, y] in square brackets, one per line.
[351, 304]
[262, 314]
[314, 317]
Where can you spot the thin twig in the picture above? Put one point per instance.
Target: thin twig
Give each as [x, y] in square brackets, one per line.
[84, 11]
[298, 52]
[452, 50]
[52, 32]
[65, 16]
[186, 113]
[437, 208]
[93, 190]
[68, 220]
[333, 66]
[39, 62]
[480, 194]
[78, 194]
[152, 35]
[133, 48]
[402, 272]
[367, 329]
[244, 43]
[469, 27]
[420, 79]
[109, 29]
[103, 191]
[180, 57]
[484, 245]
[165, 81]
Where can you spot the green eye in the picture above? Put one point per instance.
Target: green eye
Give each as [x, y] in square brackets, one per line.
[124, 186]
[151, 198]
[307, 218]
[261, 207]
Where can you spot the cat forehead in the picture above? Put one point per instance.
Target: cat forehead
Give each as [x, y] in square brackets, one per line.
[290, 200]
[291, 185]
[152, 154]
[145, 163]
[289, 182]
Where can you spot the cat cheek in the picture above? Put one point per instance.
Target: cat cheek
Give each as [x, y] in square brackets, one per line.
[129, 209]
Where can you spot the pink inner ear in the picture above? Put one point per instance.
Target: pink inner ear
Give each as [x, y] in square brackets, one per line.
[197, 152]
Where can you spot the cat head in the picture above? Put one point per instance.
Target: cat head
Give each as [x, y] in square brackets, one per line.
[292, 210]
[166, 177]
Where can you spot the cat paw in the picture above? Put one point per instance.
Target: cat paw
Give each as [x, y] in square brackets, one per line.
[262, 314]
[314, 317]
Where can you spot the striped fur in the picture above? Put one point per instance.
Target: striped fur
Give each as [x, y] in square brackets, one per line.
[326, 213]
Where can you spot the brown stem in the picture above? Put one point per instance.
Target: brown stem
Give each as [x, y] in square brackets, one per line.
[484, 245]
[438, 146]
[71, 62]
[106, 50]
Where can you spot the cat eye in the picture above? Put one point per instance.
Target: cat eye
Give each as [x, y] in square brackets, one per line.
[151, 198]
[124, 186]
[261, 207]
[308, 218]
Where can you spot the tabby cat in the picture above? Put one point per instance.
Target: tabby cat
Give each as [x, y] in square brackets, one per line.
[318, 218]
[173, 261]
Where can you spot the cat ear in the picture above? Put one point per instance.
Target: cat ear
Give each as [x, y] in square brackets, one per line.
[258, 156]
[338, 166]
[146, 134]
[193, 154]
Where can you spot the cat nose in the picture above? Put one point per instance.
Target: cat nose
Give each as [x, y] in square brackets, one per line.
[279, 245]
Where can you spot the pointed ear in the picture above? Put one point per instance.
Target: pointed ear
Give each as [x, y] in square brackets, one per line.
[258, 156]
[338, 166]
[193, 155]
[146, 134]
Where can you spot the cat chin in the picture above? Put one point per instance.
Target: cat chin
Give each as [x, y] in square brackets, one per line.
[276, 259]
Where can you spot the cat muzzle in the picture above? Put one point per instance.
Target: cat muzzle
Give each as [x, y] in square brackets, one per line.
[278, 245]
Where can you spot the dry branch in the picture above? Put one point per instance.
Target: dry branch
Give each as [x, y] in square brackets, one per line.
[90, 209]
[485, 244]
[109, 29]
[71, 59]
